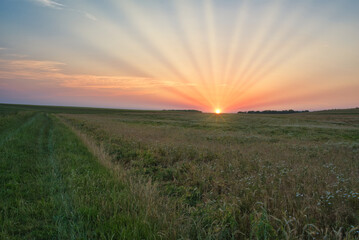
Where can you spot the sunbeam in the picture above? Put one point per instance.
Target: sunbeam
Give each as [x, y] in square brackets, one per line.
[286, 46]
[206, 54]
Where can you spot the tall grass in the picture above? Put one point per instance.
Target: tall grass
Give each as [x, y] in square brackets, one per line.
[240, 176]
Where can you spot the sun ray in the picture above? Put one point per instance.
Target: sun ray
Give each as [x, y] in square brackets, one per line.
[158, 67]
[208, 52]
[155, 40]
[268, 62]
[260, 35]
[187, 35]
[235, 41]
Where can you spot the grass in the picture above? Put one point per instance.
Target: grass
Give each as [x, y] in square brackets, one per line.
[53, 188]
[73, 173]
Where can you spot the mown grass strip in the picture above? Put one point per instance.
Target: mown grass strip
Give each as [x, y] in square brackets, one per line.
[12, 124]
[102, 204]
[52, 187]
[25, 202]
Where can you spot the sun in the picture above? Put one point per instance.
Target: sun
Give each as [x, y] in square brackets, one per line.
[217, 111]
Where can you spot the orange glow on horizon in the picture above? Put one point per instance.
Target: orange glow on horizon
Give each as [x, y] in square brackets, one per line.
[213, 56]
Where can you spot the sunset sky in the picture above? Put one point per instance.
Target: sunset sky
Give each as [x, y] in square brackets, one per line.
[185, 54]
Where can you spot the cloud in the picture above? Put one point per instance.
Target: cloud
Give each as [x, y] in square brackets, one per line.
[90, 16]
[29, 65]
[27, 69]
[84, 13]
[56, 5]
[50, 3]
[50, 72]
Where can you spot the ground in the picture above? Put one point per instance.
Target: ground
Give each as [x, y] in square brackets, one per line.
[84, 173]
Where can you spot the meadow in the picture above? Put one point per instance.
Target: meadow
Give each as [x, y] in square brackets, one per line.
[86, 173]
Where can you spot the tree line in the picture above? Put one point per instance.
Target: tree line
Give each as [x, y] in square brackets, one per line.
[275, 112]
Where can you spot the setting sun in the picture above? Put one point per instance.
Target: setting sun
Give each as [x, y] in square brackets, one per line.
[180, 54]
[225, 102]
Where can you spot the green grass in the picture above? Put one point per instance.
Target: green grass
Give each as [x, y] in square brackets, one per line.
[82, 173]
[53, 188]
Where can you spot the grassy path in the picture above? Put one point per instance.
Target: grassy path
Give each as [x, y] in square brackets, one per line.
[11, 128]
[53, 188]
[26, 205]
[64, 217]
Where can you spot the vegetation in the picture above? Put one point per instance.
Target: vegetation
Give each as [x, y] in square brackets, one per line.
[186, 110]
[276, 112]
[177, 175]
[53, 188]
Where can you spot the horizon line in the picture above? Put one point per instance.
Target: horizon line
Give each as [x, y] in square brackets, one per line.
[170, 109]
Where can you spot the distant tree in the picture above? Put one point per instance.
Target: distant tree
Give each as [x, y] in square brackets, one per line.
[183, 110]
[275, 112]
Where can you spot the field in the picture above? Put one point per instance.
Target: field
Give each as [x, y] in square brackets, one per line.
[85, 173]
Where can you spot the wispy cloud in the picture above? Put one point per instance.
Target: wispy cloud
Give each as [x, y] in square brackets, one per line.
[57, 5]
[50, 3]
[42, 71]
[90, 16]
[30, 65]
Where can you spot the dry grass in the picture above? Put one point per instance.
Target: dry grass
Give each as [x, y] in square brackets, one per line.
[235, 176]
[143, 192]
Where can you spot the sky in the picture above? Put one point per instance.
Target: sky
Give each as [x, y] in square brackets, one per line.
[233, 55]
